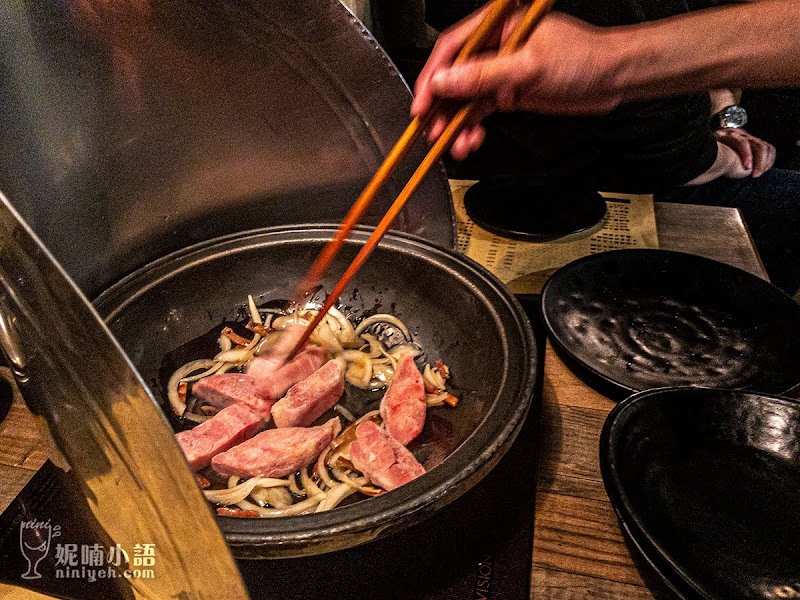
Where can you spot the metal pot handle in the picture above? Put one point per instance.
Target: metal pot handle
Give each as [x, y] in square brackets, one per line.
[9, 341]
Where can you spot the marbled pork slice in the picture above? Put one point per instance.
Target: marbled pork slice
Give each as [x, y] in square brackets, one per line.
[277, 452]
[309, 399]
[403, 405]
[275, 357]
[384, 460]
[273, 384]
[228, 427]
[226, 389]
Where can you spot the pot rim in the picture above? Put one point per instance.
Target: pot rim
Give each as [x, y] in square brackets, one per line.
[472, 459]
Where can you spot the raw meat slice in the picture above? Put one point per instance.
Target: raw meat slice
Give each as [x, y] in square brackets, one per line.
[303, 365]
[265, 365]
[277, 452]
[224, 430]
[230, 388]
[384, 460]
[403, 405]
[309, 399]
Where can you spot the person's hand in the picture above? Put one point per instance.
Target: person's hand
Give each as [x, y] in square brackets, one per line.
[755, 156]
[540, 76]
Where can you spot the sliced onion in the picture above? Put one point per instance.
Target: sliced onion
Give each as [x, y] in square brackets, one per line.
[286, 320]
[375, 385]
[359, 367]
[353, 356]
[382, 373]
[225, 343]
[375, 347]
[359, 483]
[340, 459]
[312, 489]
[347, 333]
[305, 506]
[207, 373]
[237, 355]
[333, 324]
[334, 496]
[255, 317]
[237, 493]
[383, 318]
[277, 497]
[293, 486]
[350, 417]
[178, 405]
[240, 355]
[325, 338]
[322, 469]
[398, 351]
[435, 399]
[359, 375]
[433, 378]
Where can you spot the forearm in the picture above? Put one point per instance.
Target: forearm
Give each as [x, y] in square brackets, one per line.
[742, 45]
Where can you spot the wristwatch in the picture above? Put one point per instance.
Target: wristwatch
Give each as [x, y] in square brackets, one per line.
[730, 117]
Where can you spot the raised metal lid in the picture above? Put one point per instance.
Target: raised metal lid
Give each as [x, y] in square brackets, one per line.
[133, 129]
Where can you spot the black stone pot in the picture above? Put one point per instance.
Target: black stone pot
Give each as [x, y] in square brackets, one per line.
[454, 308]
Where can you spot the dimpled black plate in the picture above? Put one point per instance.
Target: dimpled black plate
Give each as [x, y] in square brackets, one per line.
[632, 320]
[533, 209]
[707, 483]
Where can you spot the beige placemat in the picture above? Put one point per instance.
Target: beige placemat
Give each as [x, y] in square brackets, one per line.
[524, 266]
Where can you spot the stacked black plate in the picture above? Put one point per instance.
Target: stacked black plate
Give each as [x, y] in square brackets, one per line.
[706, 483]
[702, 462]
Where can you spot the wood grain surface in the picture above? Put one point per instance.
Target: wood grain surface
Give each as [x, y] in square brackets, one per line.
[22, 451]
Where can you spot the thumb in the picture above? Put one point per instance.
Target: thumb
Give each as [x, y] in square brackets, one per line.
[478, 77]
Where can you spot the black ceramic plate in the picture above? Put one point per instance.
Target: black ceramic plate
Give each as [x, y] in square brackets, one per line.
[709, 481]
[633, 320]
[533, 209]
[656, 562]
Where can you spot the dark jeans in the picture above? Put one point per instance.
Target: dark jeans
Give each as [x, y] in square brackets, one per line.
[770, 205]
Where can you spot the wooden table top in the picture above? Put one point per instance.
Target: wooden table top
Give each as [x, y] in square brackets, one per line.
[578, 549]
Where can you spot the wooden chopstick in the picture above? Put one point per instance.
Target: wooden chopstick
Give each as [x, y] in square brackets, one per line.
[495, 13]
[530, 20]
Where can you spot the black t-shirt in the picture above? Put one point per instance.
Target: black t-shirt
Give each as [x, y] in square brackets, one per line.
[638, 147]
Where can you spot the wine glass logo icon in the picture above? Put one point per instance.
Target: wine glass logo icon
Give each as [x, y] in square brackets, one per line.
[34, 542]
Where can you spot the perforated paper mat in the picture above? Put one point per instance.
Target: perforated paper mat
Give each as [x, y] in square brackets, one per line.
[524, 266]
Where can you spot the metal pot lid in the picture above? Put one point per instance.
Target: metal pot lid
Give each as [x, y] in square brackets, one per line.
[101, 418]
[132, 130]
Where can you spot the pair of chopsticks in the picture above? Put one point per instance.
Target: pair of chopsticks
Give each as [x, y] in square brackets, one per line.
[495, 15]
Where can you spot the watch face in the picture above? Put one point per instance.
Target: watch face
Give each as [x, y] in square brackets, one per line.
[733, 117]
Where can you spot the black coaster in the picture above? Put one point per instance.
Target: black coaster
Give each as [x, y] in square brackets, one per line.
[533, 209]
